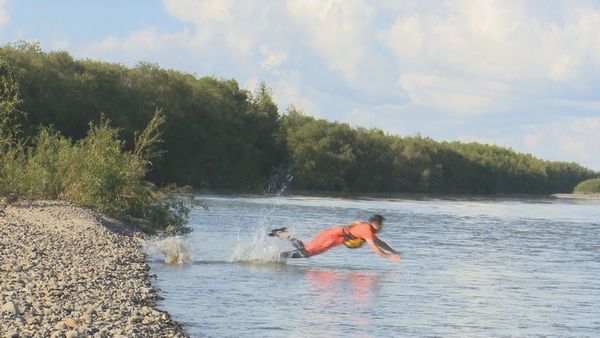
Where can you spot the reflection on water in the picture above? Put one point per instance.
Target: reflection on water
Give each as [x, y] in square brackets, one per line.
[477, 267]
[356, 286]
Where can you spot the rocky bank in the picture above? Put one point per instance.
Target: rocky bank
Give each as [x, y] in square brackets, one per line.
[66, 271]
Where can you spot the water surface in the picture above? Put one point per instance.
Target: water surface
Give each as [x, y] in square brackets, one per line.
[470, 267]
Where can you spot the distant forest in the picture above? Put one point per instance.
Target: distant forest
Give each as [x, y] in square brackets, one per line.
[218, 135]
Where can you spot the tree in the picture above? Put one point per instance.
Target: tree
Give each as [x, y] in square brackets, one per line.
[9, 101]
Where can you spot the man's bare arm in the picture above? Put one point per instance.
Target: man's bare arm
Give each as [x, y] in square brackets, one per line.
[383, 245]
[376, 249]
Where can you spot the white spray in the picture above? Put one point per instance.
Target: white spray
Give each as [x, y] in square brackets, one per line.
[175, 250]
[260, 248]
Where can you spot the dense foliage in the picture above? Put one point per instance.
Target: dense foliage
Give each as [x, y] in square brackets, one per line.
[591, 186]
[9, 99]
[218, 135]
[94, 172]
[333, 156]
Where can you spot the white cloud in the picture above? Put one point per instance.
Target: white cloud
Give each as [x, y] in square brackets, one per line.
[3, 13]
[235, 30]
[333, 38]
[199, 12]
[139, 45]
[342, 34]
[587, 126]
[459, 97]
[239, 26]
[272, 60]
[287, 90]
[576, 139]
[337, 30]
[502, 42]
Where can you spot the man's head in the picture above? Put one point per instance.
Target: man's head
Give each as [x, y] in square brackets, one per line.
[376, 221]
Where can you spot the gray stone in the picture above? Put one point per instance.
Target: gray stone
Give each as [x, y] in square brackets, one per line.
[60, 325]
[71, 274]
[10, 307]
[87, 319]
[72, 334]
[135, 319]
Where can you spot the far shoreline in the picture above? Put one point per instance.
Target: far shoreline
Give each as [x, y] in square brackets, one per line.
[595, 196]
[383, 195]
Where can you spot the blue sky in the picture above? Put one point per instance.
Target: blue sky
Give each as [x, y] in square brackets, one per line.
[522, 74]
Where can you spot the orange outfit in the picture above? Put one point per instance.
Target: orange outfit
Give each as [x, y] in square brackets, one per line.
[333, 236]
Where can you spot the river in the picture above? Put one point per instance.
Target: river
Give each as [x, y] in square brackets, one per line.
[470, 267]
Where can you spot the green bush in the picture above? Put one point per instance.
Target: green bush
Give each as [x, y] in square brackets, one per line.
[95, 172]
[591, 186]
[9, 100]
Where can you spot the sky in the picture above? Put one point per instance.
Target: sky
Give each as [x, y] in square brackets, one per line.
[520, 74]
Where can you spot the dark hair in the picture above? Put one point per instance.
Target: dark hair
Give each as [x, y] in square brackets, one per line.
[377, 218]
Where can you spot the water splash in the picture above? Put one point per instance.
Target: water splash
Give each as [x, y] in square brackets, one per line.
[259, 247]
[253, 246]
[278, 183]
[175, 250]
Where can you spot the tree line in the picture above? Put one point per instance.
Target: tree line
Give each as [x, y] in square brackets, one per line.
[218, 135]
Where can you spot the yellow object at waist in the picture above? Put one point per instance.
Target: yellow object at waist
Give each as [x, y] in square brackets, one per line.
[353, 242]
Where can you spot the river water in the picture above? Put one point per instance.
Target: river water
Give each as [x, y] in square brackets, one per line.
[470, 267]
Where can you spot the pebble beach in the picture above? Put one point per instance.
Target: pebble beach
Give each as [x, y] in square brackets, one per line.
[66, 271]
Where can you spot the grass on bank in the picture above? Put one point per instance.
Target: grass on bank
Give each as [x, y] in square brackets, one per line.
[591, 186]
[95, 172]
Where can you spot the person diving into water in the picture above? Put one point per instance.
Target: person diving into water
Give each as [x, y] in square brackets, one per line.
[353, 236]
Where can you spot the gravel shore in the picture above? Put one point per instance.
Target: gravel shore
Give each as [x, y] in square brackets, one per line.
[66, 271]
